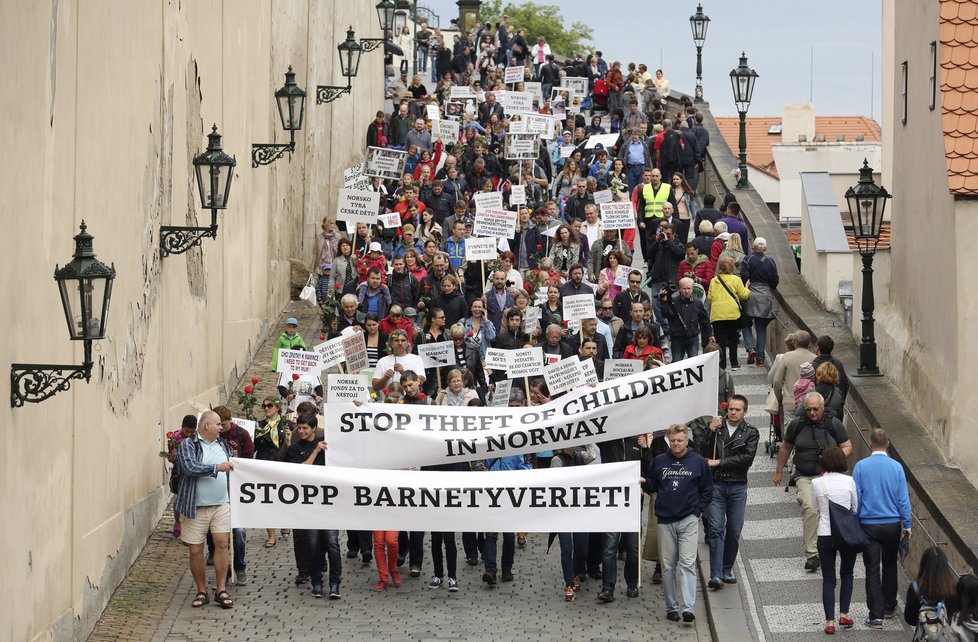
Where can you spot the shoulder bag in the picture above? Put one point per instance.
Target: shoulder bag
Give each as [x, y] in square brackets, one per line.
[744, 320]
[847, 533]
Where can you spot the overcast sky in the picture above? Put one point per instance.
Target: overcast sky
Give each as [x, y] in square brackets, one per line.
[777, 36]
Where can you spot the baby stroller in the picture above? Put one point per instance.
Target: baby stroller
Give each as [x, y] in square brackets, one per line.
[774, 436]
[599, 97]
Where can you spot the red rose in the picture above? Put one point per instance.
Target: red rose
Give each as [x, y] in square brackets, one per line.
[427, 287]
[248, 390]
[339, 287]
[471, 334]
[528, 287]
[420, 395]
[295, 376]
[539, 247]
[322, 337]
[723, 405]
[255, 380]
[386, 391]
[169, 435]
[563, 323]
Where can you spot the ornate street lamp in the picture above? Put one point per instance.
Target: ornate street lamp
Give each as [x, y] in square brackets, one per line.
[742, 80]
[291, 100]
[699, 23]
[85, 284]
[350, 51]
[214, 170]
[385, 15]
[867, 202]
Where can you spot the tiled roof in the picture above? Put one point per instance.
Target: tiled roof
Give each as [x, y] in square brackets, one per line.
[959, 94]
[794, 236]
[759, 151]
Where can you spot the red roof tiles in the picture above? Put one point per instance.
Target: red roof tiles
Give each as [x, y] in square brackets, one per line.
[959, 94]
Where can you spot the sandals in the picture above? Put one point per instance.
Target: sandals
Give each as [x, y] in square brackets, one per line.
[223, 600]
[200, 600]
[270, 543]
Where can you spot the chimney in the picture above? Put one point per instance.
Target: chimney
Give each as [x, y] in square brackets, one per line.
[798, 119]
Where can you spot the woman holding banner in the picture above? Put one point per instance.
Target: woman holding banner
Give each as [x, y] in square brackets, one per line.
[272, 437]
[434, 332]
[456, 394]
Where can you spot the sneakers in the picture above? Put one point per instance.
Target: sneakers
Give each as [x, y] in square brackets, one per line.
[596, 575]
[380, 586]
[367, 559]
[577, 583]
[672, 616]
[301, 579]
[733, 368]
[415, 571]
[889, 615]
[507, 575]
[751, 356]
[435, 583]
[657, 575]
[845, 622]
[489, 577]
[334, 591]
[715, 583]
[472, 561]
[351, 555]
[569, 594]
[317, 590]
[873, 624]
[242, 578]
[729, 578]
[452, 585]
[400, 560]
[632, 591]
[396, 579]
[688, 616]
[606, 596]
[760, 363]
[811, 564]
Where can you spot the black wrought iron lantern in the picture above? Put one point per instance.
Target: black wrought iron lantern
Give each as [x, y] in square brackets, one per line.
[699, 22]
[85, 285]
[350, 51]
[291, 102]
[385, 15]
[867, 203]
[742, 81]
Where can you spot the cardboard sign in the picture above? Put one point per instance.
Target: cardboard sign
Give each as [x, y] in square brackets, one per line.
[385, 163]
[525, 362]
[298, 362]
[330, 353]
[550, 359]
[517, 127]
[340, 387]
[589, 372]
[536, 89]
[517, 195]
[390, 220]
[617, 216]
[355, 349]
[608, 140]
[461, 91]
[558, 108]
[437, 355]
[531, 319]
[522, 147]
[564, 375]
[578, 306]
[517, 102]
[604, 196]
[480, 249]
[356, 206]
[496, 223]
[577, 85]
[432, 112]
[621, 275]
[574, 104]
[567, 150]
[447, 131]
[354, 178]
[514, 75]
[614, 368]
[500, 393]
[488, 201]
[540, 124]
[497, 359]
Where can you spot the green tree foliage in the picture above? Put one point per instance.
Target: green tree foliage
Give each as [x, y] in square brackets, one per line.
[541, 20]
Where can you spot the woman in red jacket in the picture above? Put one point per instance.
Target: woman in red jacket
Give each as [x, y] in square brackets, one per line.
[642, 347]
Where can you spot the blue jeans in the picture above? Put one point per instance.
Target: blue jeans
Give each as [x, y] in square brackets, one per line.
[509, 550]
[634, 175]
[313, 548]
[573, 555]
[826, 560]
[756, 343]
[677, 548]
[684, 348]
[609, 567]
[423, 58]
[725, 517]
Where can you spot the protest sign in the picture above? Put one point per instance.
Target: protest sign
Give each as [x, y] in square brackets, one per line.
[390, 220]
[603, 196]
[497, 223]
[617, 216]
[517, 127]
[579, 498]
[578, 306]
[521, 147]
[576, 84]
[385, 163]
[488, 201]
[531, 319]
[454, 110]
[567, 150]
[536, 89]
[461, 91]
[246, 425]
[355, 206]
[439, 354]
[525, 362]
[497, 359]
[516, 102]
[615, 368]
[355, 349]
[552, 228]
[330, 353]
[589, 372]
[558, 108]
[621, 275]
[540, 124]
[354, 178]
[564, 375]
[574, 104]
[517, 195]
[298, 362]
[500, 393]
[432, 112]
[607, 140]
[480, 249]
[382, 436]
[550, 359]
[340, 387]
[514, 75]
[447, 131]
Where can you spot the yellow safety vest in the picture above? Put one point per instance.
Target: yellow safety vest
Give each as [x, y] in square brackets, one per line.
[653, 200]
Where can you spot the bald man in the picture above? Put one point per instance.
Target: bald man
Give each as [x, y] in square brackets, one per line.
[204, 505]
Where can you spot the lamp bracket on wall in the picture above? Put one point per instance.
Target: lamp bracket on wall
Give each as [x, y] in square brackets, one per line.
[175, 239]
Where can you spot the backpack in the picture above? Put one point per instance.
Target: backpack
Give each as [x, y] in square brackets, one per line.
[932, 624]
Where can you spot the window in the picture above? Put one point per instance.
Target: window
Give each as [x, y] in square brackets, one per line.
[903, 93]
[933, 76]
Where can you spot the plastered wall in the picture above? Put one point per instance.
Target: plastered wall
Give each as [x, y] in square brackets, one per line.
[104, 104]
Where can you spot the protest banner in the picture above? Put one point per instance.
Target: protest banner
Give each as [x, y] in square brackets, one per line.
[480, 249]
[357, 206]
[381, 436]
[246, 425]
[385, 163]
[330, 353]
[567, 150]
[500, 393]
[603, 196]
[550, 359]
[621, 275]
[564, 375]
[437, 355]
[616, 368]
[580, 498]
[517, 127]
[390, 220]
[498, 223]
[488, 201]
[536, 90]
[454, 110]
[617, 216]
[354, 178]
[447, 131]
[531, 319]
[607, 140]
[458, 92]
[341, 387]
[355, 349]
[432, 112]
[589, 372]
[497, 359]
[525, 362]
[577, 307]
[514, 75]
[298, 362]
[576, 84]
[574, 104]
[517, 102]
[540, 124]
[521, 147]
[517, 195]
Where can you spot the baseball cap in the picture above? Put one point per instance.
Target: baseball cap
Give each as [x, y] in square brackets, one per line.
[410, 312]
[292, 321]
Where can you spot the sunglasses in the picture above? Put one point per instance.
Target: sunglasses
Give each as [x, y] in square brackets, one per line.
[607, 308]
[268, 405]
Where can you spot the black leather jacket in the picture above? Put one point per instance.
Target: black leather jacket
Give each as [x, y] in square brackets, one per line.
[736, 453]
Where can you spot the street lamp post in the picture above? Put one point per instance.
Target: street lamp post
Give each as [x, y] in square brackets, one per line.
[742, 80]
[350, 51]
[291, 101]
[699, 23]
[867, 202]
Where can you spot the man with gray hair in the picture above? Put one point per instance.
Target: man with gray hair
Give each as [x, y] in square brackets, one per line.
[808, 436]
[785, 373]
[204, 504]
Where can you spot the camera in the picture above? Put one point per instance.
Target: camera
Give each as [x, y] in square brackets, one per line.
[665, 294]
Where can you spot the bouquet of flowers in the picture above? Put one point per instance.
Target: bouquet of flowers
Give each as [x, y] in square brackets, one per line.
[246, 399]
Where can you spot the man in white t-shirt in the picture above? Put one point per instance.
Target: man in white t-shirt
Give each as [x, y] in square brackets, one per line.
[399, 360]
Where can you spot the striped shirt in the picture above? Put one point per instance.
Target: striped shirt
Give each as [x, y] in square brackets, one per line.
[189, 458]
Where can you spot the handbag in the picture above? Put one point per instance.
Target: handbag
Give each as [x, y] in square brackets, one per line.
[771, 405]
[308, 293]
[847, 533]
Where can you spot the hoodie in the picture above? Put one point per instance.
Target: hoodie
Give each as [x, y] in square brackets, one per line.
[684, 485]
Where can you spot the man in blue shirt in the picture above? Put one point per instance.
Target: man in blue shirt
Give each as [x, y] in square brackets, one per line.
[373, 297]
[884, 512]
[637, 159]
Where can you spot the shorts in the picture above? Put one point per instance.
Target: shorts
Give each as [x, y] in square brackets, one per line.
[216, 519]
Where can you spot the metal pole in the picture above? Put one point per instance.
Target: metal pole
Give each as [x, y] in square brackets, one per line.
[415, 39]
[699, 76]
[742, 183]
[867, 347]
